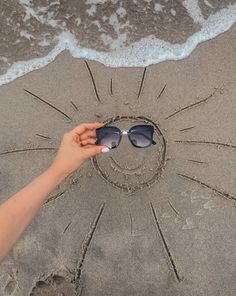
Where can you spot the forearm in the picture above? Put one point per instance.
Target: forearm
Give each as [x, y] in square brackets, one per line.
[18, 211]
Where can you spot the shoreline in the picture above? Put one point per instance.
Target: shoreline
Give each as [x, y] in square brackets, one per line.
[153, 51]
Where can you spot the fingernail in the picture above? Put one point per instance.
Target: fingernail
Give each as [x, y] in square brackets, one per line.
[105, 149]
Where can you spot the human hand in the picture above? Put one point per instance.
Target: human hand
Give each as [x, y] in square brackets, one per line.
[76, 147]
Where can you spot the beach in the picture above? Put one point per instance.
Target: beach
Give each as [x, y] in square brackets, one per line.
[155, 221]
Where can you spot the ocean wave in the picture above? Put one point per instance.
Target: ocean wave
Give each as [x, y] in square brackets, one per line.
[148, 50]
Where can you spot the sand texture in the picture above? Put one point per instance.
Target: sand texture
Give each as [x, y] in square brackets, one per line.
[156, 221]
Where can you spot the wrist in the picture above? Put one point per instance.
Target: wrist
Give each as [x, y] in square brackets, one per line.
[58, 174]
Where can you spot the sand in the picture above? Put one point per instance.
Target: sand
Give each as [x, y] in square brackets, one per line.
[156, 221]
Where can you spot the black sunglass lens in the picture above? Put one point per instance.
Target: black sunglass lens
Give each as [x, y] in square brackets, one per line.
[109, 136]
[141, 135]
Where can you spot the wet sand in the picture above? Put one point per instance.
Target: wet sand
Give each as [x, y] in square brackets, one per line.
[156, 221]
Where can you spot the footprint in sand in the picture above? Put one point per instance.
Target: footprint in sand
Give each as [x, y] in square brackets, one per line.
[54, 286]
[8, 284]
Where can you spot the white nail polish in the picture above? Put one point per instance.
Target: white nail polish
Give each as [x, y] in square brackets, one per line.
[106, 149]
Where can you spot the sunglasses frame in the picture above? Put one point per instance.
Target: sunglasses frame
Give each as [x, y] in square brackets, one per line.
[128, 133]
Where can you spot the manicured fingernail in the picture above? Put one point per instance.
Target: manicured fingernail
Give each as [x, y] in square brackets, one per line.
[105, 149]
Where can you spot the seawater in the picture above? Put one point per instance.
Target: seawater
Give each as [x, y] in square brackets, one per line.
[133, 33]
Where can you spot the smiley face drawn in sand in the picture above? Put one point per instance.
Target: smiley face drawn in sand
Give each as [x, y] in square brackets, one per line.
[129, 169]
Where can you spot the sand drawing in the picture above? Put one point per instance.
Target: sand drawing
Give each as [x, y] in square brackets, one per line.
[159, 164]
[93, 82]
[8, 283]
[127, 179]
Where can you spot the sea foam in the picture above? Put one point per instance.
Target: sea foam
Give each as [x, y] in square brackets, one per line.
[147, 51]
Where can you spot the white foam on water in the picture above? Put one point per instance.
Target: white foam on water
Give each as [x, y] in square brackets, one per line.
[45, 18]
[194, 10]
[158, 7]
[92, 10]
[208, 4]
[173, 12]
[147, 51]
[96, 1]
[26, 34]
[121, 11]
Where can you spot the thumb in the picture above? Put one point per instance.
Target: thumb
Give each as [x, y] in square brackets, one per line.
[92, 151]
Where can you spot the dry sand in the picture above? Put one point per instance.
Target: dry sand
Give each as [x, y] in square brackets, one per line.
[123, 224]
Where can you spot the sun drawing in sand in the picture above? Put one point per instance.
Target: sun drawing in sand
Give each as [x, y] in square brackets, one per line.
[129, 170]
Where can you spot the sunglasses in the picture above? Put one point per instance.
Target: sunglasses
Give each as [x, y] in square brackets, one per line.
[140, 136]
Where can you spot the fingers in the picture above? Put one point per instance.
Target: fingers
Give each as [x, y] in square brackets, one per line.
[88, 141]
[88, 146]
[94, 150]
[88, 134]
[80, 129]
